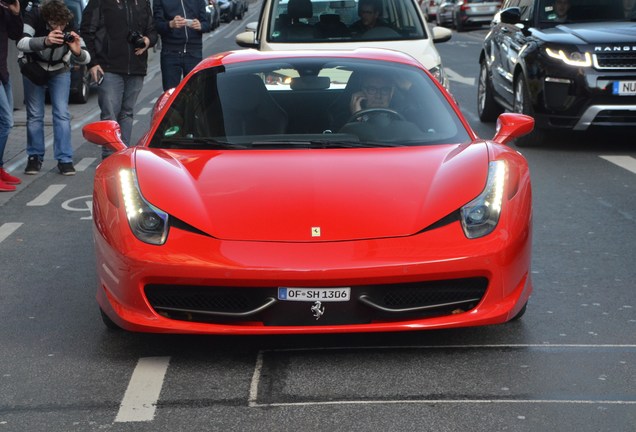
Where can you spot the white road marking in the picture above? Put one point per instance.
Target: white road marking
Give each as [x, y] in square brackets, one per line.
[84, 164]
[255, 380]
[6, 229]
[627, 162]
[140, 400]
[144, 111]
[450, 401]
[45, 197]
[454, 76]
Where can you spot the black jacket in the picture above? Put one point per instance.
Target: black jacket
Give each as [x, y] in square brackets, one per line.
[10, 28]
[182, 39]
[106, 25]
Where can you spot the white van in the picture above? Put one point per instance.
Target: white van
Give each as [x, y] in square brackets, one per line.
[338, 24]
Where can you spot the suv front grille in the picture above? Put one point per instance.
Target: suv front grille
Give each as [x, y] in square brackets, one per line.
[615, 60]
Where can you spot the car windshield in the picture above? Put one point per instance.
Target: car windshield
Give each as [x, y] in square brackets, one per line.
[308, 103]
[343, 20]
[553, 12]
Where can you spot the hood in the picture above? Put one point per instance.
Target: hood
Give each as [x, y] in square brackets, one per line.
[604, 33]
[312, 195]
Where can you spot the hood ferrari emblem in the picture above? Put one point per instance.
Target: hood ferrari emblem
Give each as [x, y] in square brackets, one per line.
[315, 231]
[318, 310]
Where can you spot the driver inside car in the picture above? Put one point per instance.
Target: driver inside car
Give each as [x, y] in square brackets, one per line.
[376, 92]
[373, 113]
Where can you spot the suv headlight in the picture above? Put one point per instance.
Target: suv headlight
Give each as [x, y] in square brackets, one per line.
[480, 216]
[147, 222]
[570, 58]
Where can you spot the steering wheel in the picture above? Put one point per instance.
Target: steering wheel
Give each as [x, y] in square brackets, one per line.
[368, 111]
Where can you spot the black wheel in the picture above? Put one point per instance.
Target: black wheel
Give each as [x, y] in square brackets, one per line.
[81, 95]
[523, 105]
[109, 323]
[520, 313]
[374, 111]
[487, 108]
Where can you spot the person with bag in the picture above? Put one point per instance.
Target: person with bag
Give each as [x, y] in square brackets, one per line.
[10, 28]
[181, 24]
[49, 40]
[118, 34]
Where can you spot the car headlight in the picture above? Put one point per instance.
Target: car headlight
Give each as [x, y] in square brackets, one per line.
[438, 73]
[570, 58]
[147, 222]
[480, 216]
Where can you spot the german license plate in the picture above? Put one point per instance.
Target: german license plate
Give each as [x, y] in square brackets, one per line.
[624, 88]
[340, 294]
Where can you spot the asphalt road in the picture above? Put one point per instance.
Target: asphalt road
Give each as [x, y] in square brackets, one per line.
[568, 364]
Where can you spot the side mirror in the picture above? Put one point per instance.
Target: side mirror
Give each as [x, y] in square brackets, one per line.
[510, 15]
[246, 39]
[441, 34]
[511, 126]
[105, 133]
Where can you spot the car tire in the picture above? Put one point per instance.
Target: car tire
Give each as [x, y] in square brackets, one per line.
[523, 105]
[109, 323]
[487, 108]
[520, 313]
[81, 95]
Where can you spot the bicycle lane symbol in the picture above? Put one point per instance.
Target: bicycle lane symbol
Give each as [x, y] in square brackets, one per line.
[80, 204]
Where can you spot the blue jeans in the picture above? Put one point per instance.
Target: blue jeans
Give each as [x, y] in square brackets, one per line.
[59, 86]
[6, 116]
[117, 96]
[175, 65]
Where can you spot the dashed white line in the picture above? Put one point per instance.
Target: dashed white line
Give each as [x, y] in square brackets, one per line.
[140, 400]
[626, 162]
[84, 164]
[45, 197]
[6, 229]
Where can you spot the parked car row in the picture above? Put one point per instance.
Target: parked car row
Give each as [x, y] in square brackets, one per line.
[461, 14]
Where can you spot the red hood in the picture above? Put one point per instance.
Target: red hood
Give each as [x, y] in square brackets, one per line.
[284, 195]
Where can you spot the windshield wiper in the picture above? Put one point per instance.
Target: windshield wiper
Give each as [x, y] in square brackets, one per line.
[200, 142]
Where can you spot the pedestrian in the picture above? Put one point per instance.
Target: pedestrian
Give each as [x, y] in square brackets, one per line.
[10, 28]
[118, 34]
[181, 24]
[48, 42]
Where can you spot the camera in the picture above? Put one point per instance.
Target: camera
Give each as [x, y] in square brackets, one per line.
[68, 37]
[136, 39]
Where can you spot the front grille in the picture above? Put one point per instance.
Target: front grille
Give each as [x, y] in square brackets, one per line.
[369, 303]
[617, 61]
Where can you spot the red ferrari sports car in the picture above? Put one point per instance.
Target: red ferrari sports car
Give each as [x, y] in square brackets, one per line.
[311, 192]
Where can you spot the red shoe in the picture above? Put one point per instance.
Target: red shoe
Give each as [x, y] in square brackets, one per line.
[5, 187]
[8, 178]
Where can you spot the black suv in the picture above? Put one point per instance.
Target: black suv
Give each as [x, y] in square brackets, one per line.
[570, 64]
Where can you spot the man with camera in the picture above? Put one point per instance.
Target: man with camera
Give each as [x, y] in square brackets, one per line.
[47, 44]
[118, 34]
[10, 28]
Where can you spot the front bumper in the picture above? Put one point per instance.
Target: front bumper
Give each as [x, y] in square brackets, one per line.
[577, 98]
[128, 271]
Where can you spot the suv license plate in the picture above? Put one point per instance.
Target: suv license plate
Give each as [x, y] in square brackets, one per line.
[624, 88]
[340, 294]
